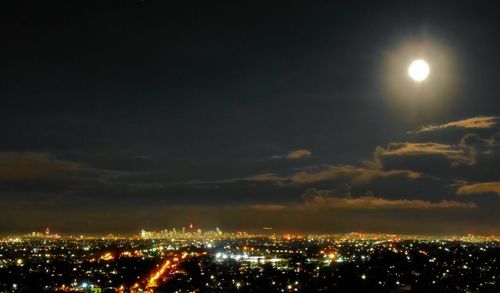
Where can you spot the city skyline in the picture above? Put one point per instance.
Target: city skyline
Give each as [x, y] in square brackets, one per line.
[190, 230]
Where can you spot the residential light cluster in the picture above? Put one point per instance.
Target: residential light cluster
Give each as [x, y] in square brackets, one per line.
[187, 261]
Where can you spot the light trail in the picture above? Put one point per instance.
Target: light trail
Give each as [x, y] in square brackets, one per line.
[167, 266]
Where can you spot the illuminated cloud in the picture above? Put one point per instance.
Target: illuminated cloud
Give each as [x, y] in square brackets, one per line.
[371, 202]
[259, 178]
[479, 188]
[457, 154]
[475, 122]
[493, 140]
[265, 177]
[298, 154]
[341, 198]
[348, 173]
[315, 174]
[294, 155]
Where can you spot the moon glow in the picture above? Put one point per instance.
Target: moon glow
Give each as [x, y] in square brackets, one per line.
[419, 70]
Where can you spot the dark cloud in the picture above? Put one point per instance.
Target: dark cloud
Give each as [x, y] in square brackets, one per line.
[43, 178]
[38, 167]
[29, 166]
[317, 174]
[341, 197]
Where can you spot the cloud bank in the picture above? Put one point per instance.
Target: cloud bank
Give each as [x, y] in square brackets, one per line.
[457, 154]
[480, 188]
[470, 123]
[341, 198]
[294, 155]
[298, 154]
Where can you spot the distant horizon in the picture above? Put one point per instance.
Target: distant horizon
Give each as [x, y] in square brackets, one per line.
[257, 232]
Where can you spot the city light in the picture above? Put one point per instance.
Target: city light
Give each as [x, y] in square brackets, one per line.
[156, 260]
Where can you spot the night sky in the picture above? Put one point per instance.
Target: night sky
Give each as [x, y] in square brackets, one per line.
[122, 115]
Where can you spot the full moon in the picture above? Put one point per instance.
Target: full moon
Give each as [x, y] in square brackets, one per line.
[418, 70]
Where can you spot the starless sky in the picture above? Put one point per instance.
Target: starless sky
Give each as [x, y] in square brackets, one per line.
[122, 115]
